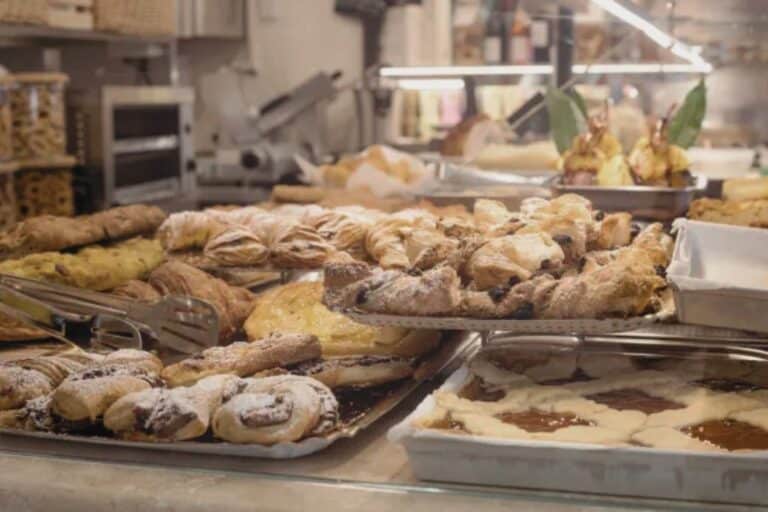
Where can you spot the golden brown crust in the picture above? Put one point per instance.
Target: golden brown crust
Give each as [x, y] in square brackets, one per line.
[751, 213]
[232, 303]
[244, 359]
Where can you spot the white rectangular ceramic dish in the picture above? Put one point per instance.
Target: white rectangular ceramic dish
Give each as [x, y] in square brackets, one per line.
[719, 274]
[558, 466]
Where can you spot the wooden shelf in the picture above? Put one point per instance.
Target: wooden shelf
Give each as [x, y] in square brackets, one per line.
[20, 32]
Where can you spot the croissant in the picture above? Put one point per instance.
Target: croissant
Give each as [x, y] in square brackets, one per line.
[233, 304]
[163, 415]
[283, 408]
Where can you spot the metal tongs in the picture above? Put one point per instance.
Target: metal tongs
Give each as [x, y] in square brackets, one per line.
[628, 344]
[86, 318]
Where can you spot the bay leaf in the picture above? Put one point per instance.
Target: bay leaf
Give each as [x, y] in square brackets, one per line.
[685, 125]
[565, 118]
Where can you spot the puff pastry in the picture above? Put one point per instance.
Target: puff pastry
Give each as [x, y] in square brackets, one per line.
[165, 415]
[86, 395]
[232, 303]
[271, 410]
[296, 245]
[360, 371]
[237, 247]
[243, 359]
[188, 230]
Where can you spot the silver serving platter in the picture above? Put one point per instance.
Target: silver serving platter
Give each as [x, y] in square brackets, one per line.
[570, 326]
[652, 203]
[446, 358]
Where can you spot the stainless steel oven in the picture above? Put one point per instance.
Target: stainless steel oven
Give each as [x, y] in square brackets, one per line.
[138, 139]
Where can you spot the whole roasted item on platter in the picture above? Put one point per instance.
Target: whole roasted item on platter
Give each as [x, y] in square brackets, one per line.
[50, 233]
[552, 260]
[604, 407]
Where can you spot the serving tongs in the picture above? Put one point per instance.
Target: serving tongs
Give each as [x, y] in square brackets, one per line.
[86, 318]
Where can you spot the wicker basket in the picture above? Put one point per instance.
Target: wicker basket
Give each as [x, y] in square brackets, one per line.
[45, 189]
[24, 11]
[7, 195]
[140, 17]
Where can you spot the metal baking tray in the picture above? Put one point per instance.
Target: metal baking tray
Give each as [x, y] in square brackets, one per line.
[733, 477]
[650, 203]
[571, 326]
[719, 275]
[453, 348]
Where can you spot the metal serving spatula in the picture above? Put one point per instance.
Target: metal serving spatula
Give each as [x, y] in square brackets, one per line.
[183, 324]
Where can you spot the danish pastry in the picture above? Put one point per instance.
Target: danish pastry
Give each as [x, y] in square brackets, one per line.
[178, 414]
[278, 409]
[243, 359]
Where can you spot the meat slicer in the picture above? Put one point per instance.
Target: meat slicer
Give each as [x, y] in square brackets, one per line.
[263, 141]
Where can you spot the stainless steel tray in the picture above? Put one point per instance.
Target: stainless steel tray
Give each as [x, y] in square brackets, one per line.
[718, 275]
[575, 467]
[573, 326]
[652, 203]
[447, 357]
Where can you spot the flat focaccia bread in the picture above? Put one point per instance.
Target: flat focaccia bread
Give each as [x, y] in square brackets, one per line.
[298, 307]
[165, 415]
[243, 359]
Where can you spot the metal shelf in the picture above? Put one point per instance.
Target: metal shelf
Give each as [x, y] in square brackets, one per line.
[65, 35]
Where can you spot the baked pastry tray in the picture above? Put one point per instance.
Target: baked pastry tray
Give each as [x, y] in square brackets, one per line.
[571, 326]
[452, 348]
[575, 467]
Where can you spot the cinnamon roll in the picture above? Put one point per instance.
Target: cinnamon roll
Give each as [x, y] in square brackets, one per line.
[271, 410]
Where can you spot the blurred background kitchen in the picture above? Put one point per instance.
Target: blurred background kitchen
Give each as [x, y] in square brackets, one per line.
[192, 102]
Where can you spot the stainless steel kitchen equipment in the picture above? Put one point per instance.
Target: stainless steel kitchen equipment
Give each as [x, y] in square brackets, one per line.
[138, 140]
[222, 19]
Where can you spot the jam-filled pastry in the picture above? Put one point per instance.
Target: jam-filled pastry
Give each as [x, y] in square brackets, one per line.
[232, 303]
[188, 230]
[244, 359]
[237, 246]
[88, 394]
[513, 258]
[435, 292]
[26, 379]
[162, 415]
[279, 409]
[360, 371]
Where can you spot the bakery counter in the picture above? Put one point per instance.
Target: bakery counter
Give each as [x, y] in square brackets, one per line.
[364, 473]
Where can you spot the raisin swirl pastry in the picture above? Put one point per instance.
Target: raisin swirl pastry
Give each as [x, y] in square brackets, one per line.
[279, 409]
[164, 415]
[88, 394]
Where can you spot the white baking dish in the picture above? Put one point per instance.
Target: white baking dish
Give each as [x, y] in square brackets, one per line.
[618, 471]
[719, 274]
